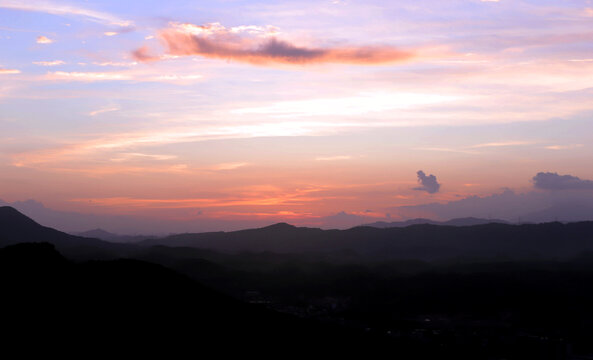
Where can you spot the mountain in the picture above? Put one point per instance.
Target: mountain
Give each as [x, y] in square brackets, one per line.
[424, 241]
[17, 228]
[98, 234]
[467, 221]
[111, 237]
[135, 306]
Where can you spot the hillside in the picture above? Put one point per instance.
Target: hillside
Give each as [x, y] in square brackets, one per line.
[426, 242]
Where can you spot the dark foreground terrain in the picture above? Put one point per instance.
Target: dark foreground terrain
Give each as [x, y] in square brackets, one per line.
[78, 294]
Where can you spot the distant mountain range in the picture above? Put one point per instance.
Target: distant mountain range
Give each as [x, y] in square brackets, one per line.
[468, 221]
[111, 237]
[420, 241]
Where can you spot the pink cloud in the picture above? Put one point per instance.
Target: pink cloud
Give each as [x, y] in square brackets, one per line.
[261, 46]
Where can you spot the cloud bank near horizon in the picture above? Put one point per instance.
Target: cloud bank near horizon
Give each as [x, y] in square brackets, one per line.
[553, 181]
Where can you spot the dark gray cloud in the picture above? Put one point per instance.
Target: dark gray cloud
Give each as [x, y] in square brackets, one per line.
[553, 181]
[427, 183]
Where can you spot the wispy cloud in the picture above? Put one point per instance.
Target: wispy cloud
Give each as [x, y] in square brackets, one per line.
[501, 144]
[255, 199]
[9, 71]
[140, 75]
[261, 45]
[355, 105]
[56, 8]
[130, 156]
[563, 147]
[104, 110]
[86, 76]
[229, 166]
[49, 63]
[116, 63]
[333, 158]
[44, 40]
[449, 150]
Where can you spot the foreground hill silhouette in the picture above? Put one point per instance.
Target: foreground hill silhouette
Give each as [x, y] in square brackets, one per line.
[143, 307]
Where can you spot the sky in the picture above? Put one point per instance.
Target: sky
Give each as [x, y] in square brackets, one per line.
[226, 114]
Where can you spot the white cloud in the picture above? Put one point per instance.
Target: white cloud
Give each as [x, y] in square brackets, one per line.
[356, 105]
[502, 144]
[49, 63]
[53, 8]
[104, 110]
[86, 76]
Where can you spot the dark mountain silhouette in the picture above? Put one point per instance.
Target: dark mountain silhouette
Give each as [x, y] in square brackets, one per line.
[17, 228]
[468, 221]
[427, 242]
[104, 306]
[297, 300]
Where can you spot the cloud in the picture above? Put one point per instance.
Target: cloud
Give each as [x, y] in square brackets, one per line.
[229, 166]
[260, 45]
[104, 110]
[563, 147]
[553, 181]
[143, 54]
[110, 33]
[130, 156]
[44, 40]
[49, 63]
[9, 71]
[502, 144]
[116, 63]
[532, 206]
[428, 183]
[333, 158]
[86, 76]
[61, 9]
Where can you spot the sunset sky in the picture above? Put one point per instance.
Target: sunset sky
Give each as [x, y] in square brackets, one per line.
[214, 112]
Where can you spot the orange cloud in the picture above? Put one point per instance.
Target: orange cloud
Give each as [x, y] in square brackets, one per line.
[260, 46]
[44, 40]
[9, 71]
